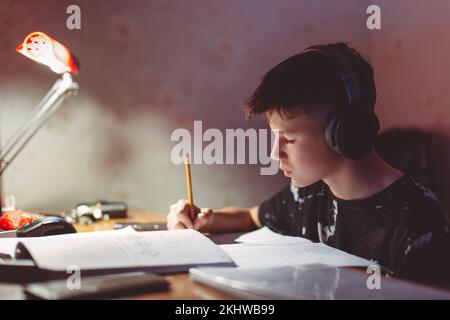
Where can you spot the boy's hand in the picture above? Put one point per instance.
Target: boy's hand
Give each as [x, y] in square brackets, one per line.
[179, 218]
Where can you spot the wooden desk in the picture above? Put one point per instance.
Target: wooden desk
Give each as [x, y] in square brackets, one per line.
[181, 287]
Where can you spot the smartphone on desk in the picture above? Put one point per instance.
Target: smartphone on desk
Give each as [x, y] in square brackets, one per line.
[155, 226]
[98, 287]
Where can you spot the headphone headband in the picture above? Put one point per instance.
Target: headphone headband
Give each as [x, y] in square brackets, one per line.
[351, 128]
[345, 70]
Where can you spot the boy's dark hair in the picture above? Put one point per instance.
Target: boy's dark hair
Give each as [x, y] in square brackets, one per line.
[307, 80]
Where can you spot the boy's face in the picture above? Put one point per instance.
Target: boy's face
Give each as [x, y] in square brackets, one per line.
[301, 148]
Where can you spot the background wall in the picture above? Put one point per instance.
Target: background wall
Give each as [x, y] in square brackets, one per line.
[410, 57]
[149, 67]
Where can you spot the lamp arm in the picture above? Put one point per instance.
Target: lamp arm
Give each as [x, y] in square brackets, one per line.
[51, 102]
[31, 118]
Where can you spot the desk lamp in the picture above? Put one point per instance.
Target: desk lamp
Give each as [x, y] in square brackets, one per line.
[43, 49]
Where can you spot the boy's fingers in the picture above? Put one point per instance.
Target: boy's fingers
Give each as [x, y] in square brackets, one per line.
[203, 219]
[179, 225]
[185, 219]
[182, 204]
[180, 207]
[171, 221]
[180, 213]
[175, 217]
[200, 221]
[174, 208]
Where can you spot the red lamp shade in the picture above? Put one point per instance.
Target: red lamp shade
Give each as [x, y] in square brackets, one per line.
[43, 49]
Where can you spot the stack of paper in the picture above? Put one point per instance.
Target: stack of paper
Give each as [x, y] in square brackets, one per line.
[265, 248]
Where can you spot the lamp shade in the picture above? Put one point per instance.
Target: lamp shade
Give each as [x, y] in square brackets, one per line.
[41, 48]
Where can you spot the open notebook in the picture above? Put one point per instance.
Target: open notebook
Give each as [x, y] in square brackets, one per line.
[172, 251]
[155, 251]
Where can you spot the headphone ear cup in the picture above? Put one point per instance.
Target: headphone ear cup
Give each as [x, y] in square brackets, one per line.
[331, 124]
[355, 131]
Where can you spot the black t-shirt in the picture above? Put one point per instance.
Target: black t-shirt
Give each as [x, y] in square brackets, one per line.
[404, 227]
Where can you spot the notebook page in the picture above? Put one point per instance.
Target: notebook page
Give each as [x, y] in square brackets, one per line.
[250, 256]
[124, 250]
[266, 236]
[8, 245]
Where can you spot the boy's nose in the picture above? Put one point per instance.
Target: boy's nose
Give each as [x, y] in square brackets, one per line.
[276, 154]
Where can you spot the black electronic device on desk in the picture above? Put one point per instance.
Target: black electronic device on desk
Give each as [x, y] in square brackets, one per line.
[91, 212]
[151, 226]
[47, 226]
[98, 287]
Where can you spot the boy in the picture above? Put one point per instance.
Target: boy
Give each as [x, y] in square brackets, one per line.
[320, 105]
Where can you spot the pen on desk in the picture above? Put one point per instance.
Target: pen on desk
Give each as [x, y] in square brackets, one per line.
[187, 167]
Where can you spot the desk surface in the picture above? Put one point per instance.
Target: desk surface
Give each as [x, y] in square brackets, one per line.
[181, 287]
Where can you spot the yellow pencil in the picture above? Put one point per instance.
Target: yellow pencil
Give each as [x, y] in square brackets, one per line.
[187, 167]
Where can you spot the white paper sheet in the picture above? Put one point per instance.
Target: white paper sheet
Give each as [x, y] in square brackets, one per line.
[267, 237]
[251, 256]
[8, 246]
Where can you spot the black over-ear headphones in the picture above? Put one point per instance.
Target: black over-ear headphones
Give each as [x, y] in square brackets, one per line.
[350, 129]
